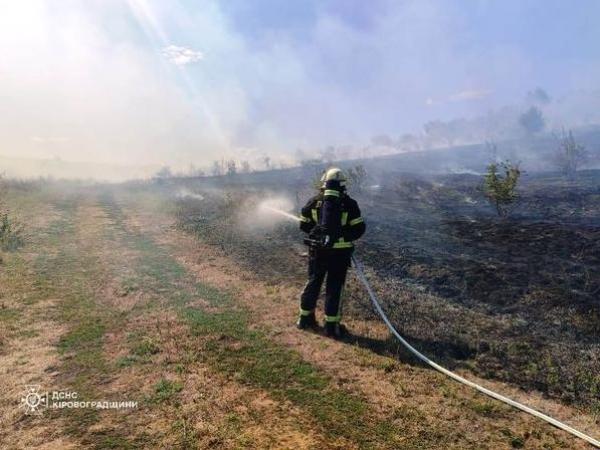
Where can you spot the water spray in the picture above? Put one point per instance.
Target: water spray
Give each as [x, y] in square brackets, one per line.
[281, 212]
[363, 279]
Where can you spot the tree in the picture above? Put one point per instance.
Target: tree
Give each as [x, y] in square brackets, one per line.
[409, 142]
[10, 233]
[570, 155]
[267, 162]
[538, 96]
[327, 154]
[246, 167]
[317, 177]
[231, 168]
[439, 132]
[195, 171]
[299, 154]
[314, 162]
[357, 177]
[435, 131]
[163, 172]
[217, 168]
[532, 120]
[501, 189]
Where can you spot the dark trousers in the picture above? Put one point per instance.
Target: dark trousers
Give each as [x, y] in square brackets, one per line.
[333, 264]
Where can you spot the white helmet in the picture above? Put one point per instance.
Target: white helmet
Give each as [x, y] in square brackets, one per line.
[334, 174]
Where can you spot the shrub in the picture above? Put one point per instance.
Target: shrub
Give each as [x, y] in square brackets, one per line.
[357, 177]
[532, 120]
[570, 155]
[231, 167]
[163, 172]
[11, 232]
[501, 189]
[316, 179]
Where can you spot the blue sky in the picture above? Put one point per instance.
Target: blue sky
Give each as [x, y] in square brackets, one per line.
[185, 81]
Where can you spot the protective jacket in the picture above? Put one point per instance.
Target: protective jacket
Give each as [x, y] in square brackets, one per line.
[351, 224]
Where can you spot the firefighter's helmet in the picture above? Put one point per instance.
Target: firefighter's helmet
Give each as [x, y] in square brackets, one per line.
[334, 174]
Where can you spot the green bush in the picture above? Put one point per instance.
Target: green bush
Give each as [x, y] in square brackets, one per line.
[501, 188]
[11, 232]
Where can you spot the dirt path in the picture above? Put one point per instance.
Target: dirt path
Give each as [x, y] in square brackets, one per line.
[85, 311]
[109, 301]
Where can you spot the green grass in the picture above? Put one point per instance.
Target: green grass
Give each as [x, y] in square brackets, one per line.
[87, 333]
[64, 272]
[84, 342]
[107, 440]
[252, 359]
[8, 314]
[165, 390]
[410, 414]
[514, 440]
[126, 361]
[487, 408]
[145, 349]
[142, 350]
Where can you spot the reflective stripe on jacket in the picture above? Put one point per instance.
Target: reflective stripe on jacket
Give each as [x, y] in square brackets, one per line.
[353, 226]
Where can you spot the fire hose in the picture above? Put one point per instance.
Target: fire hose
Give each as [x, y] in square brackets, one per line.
[363, 279]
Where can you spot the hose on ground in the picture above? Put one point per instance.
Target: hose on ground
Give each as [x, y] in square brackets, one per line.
[363, 279]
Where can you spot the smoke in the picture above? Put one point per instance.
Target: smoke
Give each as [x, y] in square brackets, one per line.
[187, 194]
[173, 83]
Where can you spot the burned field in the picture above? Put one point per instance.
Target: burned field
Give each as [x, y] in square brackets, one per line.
[513, 299]
[522, 293]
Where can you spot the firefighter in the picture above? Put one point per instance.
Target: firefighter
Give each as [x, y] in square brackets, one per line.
[332, 220]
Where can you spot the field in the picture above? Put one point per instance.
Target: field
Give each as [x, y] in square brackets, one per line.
[515, 300]
[181, 296]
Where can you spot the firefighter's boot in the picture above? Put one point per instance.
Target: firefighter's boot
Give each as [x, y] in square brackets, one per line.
[307, 321]
[335, 330]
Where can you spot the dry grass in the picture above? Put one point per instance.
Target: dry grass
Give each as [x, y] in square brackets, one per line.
[128, 310]
[28, 352]
[385, 383]
[155, 352]
[209, 410]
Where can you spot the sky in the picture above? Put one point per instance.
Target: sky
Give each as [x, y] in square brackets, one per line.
[152, 82]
